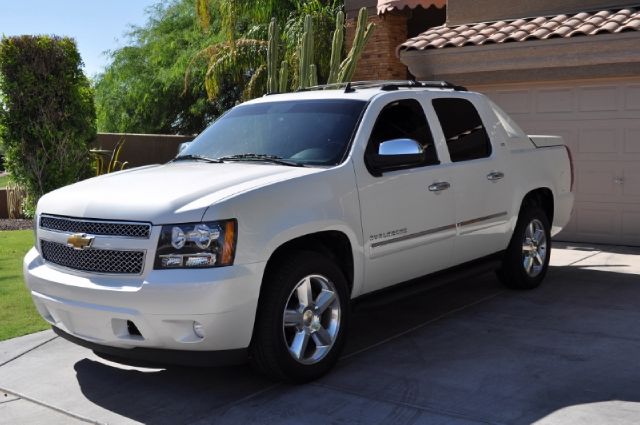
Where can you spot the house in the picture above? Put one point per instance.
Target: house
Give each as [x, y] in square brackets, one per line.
[569, 67]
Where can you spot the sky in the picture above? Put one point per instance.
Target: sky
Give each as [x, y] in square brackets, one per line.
[96, 25]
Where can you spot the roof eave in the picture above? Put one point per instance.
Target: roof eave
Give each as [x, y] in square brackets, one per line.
[534, 60]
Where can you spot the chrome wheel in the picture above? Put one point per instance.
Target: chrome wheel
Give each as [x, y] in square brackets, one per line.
[534, 248]
[311, 319]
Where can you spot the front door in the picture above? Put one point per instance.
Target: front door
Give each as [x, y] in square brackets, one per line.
[408, 215]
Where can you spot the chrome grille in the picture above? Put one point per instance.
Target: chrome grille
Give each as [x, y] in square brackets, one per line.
[95, 227]
[93, 260]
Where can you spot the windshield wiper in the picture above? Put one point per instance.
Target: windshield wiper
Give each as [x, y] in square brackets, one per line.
[260, 157]
[195, 158]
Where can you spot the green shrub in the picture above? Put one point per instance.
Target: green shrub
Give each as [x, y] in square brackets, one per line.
[47, 116]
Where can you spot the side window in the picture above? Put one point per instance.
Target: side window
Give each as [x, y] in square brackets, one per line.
[404, 119]
[463, 129]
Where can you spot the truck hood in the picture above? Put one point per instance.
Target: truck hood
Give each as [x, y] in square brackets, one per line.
[162, 194]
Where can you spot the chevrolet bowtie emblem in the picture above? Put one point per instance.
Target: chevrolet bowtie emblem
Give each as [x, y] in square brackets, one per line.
[79, 241]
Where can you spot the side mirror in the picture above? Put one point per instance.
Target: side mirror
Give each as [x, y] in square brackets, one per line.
[396, 154]
[182, 146]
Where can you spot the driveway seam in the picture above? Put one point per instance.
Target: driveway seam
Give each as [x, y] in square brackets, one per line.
[421, 325]
[226, 407]
[28, 351]
[9, 401]
[582, 259]
[48, 406]
[434, 410]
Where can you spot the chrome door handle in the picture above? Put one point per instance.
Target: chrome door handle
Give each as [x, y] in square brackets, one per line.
[439, 186]
[495, 175]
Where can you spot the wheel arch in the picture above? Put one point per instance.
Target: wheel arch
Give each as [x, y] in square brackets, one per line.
[333, 244]
[541, 197]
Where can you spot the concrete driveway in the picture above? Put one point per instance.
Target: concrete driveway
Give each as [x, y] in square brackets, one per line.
[465, 353]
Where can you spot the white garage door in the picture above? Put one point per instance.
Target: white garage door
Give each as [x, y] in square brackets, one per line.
[600, 121]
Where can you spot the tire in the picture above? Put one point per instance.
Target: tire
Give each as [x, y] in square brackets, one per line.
[299, 337]
[526, 259]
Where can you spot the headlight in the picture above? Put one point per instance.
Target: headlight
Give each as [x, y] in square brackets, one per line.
[197, 245]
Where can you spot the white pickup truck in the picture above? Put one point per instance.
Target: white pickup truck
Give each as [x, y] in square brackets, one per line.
[252, 243]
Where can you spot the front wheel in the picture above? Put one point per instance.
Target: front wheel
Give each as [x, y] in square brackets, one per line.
[527, 257]
[301, 320]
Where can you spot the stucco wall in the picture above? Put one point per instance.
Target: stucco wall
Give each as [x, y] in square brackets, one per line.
[466, 11]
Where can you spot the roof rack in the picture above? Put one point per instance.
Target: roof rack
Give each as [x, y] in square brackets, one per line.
[387, 85]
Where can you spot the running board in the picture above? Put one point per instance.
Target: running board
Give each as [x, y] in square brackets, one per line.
[422, 284]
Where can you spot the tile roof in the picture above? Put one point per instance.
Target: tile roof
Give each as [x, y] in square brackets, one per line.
[389, 5]
[538, 28]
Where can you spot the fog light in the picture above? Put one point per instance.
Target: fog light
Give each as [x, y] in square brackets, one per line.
[200, 260]
[171, 261]
[198, 329]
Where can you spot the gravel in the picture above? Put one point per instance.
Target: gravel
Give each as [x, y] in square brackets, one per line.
[15, 224]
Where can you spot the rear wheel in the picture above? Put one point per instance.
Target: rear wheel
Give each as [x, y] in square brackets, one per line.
[301, 320]
[526, 260]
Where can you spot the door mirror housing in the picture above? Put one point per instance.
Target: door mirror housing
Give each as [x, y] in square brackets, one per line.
[396, 154]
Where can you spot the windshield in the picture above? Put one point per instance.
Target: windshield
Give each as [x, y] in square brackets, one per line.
[315, 132]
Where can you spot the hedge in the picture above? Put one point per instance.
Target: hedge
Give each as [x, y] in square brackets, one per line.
[47, 115]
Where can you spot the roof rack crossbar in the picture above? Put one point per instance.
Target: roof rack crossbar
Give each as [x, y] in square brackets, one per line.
[387, 85]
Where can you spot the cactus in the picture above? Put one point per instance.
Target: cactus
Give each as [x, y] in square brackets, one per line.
[284, 77]
[272, 57]
[339, 71]
[305, 53]
[313, 76]
[336, 49]
[348, 65]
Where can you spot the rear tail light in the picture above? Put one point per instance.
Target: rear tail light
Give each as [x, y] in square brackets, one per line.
[571, 167]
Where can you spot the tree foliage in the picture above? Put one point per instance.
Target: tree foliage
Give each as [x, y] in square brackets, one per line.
[142, 90]
[47, 115]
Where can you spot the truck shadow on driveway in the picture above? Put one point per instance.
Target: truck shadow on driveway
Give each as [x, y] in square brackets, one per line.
[466, 352]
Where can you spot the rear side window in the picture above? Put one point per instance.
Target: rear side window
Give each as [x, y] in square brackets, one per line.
[404, 119]
[463, 129]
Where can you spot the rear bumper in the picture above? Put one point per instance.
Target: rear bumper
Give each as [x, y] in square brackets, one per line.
[165, 306]
[563, 208]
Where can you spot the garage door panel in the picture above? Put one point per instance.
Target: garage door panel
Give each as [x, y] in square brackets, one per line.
[603, 98]
[598, 140]
[596, 181]
[596, 221]
[630, 182]
[554, 101]
[631, 225]
[632, 141]
[632, 97]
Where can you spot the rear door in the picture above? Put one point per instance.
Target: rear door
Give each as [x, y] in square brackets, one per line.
[480, 179]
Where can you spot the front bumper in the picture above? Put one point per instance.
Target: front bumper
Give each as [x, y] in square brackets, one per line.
[163, 306]
[141, 356]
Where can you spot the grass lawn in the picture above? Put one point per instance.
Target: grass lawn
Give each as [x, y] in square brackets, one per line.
[4, 180]
[18, 316]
